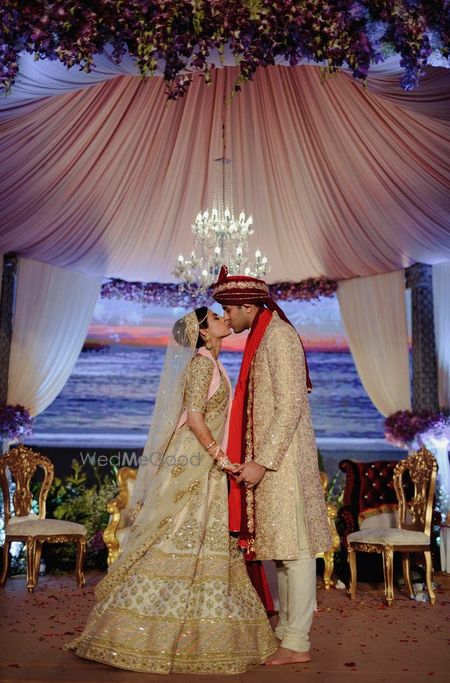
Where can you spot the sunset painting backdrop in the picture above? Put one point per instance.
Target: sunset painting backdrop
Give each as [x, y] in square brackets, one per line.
[110, 396]
[131, 324]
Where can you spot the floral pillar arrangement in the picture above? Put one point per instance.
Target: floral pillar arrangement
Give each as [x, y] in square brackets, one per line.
[413, 429]
[15, 424]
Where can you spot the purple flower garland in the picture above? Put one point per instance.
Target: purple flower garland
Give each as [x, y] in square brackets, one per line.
[184, 34]
[414, 428]
[171, 295]
[15, 422]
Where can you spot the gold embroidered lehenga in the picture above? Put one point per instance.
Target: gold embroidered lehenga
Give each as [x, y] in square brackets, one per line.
[180, 600]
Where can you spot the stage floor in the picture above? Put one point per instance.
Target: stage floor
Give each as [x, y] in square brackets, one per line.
[360, 641]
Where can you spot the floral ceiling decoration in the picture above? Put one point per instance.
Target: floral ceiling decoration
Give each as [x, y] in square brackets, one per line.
[181, 37]
[171, 295]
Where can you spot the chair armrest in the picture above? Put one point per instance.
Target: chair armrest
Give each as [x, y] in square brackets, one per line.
[332, 516]
[109, 534]
[117, 507]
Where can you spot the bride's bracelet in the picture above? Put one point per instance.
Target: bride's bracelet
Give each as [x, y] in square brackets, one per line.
[213, 443]
[224, 463]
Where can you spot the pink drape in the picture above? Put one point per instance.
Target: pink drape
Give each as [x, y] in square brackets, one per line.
[339, 180]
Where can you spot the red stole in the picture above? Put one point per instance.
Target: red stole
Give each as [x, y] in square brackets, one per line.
[236, 453]
[238, 420]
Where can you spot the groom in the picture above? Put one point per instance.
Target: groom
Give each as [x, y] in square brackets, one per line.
[276, 503]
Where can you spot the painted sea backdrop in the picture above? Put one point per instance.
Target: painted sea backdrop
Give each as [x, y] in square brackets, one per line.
[110, 396]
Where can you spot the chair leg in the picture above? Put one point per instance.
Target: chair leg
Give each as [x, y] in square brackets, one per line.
[407, 573]
[4, 575]
[353, 576]
[31, 550]
[37, 560]
[328, 557]
[388, 565]
[429, 576]
[81, 549]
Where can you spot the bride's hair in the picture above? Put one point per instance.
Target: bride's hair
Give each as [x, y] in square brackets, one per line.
[202, 317]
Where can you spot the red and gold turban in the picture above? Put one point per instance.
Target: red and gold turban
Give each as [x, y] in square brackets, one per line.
[236, 290]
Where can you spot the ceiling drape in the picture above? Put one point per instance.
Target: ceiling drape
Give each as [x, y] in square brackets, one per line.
[340, 180]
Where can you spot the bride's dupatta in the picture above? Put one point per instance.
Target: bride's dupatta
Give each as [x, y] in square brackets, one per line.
[170, 488]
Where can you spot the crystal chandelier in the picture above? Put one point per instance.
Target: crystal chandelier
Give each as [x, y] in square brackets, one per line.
[220, 238]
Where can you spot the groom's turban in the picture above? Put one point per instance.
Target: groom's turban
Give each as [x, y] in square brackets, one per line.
[236, 290]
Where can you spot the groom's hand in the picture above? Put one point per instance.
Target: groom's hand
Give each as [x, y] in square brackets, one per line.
[251, 473]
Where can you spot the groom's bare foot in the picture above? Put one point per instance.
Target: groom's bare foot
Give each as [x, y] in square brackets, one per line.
[285, 656]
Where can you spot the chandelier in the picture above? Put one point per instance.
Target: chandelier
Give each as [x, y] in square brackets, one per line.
[220, 238]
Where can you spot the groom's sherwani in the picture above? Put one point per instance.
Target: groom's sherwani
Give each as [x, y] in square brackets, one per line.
[279, 425]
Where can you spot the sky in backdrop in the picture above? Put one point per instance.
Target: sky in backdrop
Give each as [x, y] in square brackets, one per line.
[122, 322]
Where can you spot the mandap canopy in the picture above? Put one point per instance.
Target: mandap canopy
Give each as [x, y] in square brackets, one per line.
[102, 175]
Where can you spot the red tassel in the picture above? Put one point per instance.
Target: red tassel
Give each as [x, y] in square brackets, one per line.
[258, 578]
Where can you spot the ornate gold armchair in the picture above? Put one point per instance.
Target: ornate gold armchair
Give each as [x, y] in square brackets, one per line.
[413, 530]
[119, 522]
[328, 556]
[25, 525]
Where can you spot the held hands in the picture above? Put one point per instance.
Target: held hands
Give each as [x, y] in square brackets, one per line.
[250, 474]
[222, 460]
[225, 464]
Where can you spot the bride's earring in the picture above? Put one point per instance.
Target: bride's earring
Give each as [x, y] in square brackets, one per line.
[208, 342]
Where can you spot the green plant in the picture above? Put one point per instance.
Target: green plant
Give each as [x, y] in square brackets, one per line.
[335, 491]
[72, 499]
[320, 461]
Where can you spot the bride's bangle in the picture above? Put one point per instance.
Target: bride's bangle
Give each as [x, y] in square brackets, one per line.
[224, 463]
[213, 443]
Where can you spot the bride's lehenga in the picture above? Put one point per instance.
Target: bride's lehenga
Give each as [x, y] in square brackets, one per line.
[181, 600]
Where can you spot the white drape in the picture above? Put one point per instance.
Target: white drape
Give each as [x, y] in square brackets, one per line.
[441, 296]
[52, 312]
[374, 314]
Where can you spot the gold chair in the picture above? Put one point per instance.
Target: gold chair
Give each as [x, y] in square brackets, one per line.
[119, 523]
[27, 527]
[414, 526]
[328, 556]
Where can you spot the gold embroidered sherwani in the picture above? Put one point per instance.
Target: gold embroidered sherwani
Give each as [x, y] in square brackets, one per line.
[284, 443]
[181, 600]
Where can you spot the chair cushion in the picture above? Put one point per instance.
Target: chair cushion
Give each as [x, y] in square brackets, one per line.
[33, 526]
[389, 537]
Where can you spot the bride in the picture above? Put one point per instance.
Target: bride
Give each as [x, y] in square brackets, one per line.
[178, 598]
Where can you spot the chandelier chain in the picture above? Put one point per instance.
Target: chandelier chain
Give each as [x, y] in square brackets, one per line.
[219, 238]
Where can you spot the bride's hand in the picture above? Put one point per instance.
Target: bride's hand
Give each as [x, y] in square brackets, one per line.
[233, 470]
[224, 463]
